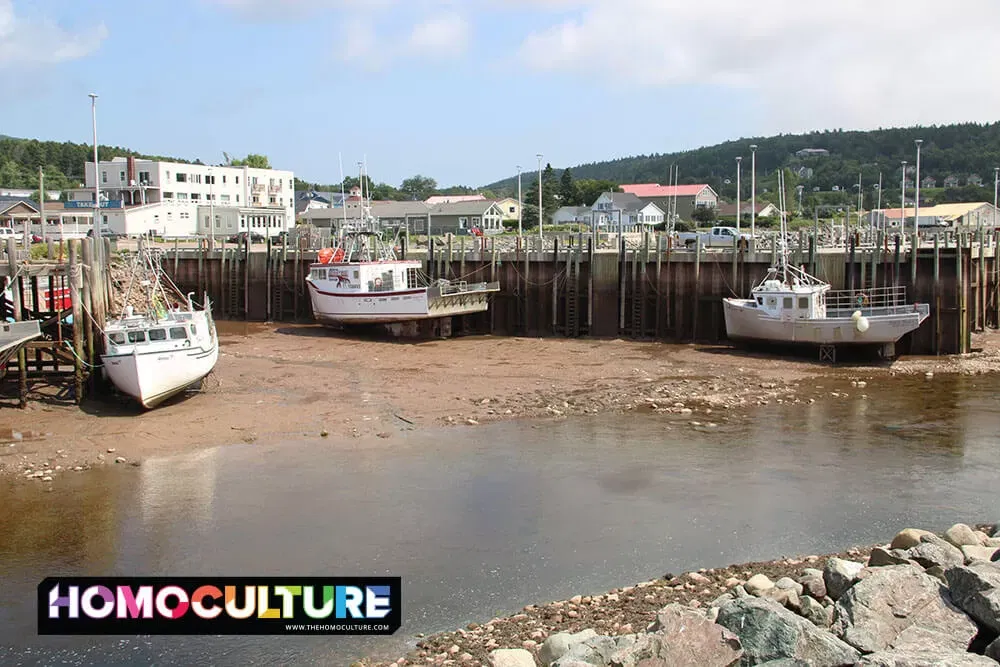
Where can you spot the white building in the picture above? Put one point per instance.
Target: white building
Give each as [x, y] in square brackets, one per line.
[139, 196]
[625, 209]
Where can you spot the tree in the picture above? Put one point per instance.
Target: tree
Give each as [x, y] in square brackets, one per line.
[568, 191]
[589, 190]
[529, 210]
[253, 160]
[418, 188]
[703, 214]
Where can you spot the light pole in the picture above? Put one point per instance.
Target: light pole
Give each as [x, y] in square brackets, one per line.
[97, 187]
[996, 183]
[753, 192]
[519, 201]
[902, 202]
[738, 170]
[916, 200]
[539, 156]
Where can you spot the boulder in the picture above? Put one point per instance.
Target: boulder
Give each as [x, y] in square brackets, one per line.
[681, 637]
[926, 658]
[975, 589]
[811, 610]
[961, 535]
[560, 643]
[880, 557]
[757, 584]
[785, 662]
[789, 584]
[839, 575]
[786, 597]
[972, 553]
[932, 551]
[510, 657]
[993, 650]
[812, 583]
[901, 607]
[594, 651]
[908, 537]
[768, 631]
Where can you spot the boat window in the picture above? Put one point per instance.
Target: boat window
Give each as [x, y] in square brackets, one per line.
[788, 302]
[178, 333]
[760, 300]
[116, 338]
[157, 334]
[137, 336]
[803, 302]
[194, 330]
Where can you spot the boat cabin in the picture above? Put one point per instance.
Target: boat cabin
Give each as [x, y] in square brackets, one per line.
[369, 277]
[795, 301]
[138, 332]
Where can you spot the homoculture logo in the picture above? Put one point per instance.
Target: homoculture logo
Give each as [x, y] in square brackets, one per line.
[219, 605]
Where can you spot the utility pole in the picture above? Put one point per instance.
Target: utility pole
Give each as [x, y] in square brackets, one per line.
[753, 192]
[539, 156]
[916, 201]
[738, 170]
[878, 206]
[519, 204]
[97, 187]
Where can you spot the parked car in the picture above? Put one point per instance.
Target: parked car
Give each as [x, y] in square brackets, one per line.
[35, 238]
[241, 238]
[718, 237]
[10, 233]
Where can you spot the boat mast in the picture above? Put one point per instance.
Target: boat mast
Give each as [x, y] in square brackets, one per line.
[783, 255]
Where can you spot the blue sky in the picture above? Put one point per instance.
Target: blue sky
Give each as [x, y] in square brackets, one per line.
[465, 90]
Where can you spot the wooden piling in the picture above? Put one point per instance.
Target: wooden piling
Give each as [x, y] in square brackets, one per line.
[525, 301]
[915, 247]
[87, 300]
[621, 286]
[76, 297]
[590, 284]
[657, 290]
[461, 250]
[960, 285]
[937, 295]
[16, 294]
[447, 270]
[850, 264]
[981, 291]
[246, 277]
[896, 263]
[697, 287]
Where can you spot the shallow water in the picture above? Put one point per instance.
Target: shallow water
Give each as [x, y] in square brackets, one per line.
[480, 521]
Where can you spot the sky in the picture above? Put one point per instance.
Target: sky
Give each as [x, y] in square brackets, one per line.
[466, 91]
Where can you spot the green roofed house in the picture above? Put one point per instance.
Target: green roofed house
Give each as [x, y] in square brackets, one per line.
[463, 216]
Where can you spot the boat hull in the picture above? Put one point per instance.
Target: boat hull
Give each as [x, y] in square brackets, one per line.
[329, 307]
[153, 377]
[748, 323]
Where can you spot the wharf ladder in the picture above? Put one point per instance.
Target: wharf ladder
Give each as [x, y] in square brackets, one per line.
[637, 304]
[277, 287]
[233, 304]
[572, 297]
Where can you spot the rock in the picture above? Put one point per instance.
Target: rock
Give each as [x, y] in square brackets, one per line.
[732, 582]
[698, 578]
[880, 557]
[900, 607]
[560, 643]
[120, 459]
[935, 551]
[983, 538]
[594, 651]
[926, 658]
[961, 535]
[768, 631]
[814, 612]
[839, 575]
[680, 636]
[740, 592]
[907, 538]
[812, 583]
[786, 597]
[975, 589]
[510, 657]
[993, 650]
[757, 584]
[787, 583]
[972, 553]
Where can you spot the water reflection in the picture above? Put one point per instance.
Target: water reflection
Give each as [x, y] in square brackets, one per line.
[481, 521]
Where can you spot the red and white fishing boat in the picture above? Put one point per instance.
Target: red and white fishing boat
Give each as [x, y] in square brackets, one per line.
[361, 281]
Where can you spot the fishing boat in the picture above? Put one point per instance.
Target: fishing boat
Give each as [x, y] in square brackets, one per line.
[789, 306]
[160, 352]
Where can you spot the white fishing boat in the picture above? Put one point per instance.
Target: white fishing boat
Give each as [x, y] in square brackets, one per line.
[154, 355]
[789, 306]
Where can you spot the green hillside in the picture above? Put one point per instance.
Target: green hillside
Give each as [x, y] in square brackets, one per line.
[958, 150]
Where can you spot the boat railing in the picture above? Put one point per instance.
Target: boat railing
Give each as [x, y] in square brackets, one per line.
[884, 300]
[442, 288]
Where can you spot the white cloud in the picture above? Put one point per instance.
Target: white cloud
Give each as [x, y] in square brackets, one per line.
[438, 36]
[25, 42]
[811, 64]
[444, 35]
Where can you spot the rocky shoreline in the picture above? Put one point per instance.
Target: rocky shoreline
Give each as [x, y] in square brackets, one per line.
[919, 600]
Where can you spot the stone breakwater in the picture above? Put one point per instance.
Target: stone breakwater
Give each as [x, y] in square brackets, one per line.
[922, 599]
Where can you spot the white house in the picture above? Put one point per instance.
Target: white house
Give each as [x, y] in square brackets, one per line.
[572, 215]
[127, 183]
[626, 209]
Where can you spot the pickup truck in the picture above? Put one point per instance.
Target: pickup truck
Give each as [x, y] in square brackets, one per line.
[717, 237]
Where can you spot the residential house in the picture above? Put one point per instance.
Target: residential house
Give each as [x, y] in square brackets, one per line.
[805, 173]
[951, 181]
[974, 179]
[928, 182]
[452, 199]
[625, 209]
[688, 197]
[965, 214]
[311, 199]
[511, 208]
[763, 210]
[572, 215]
[463, 216]
[409, 215]
[60, 221]
[812, 152]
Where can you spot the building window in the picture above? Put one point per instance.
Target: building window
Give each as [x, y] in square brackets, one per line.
[195, 196]
[121, 176]
[237, 180]
[181, 178]
[463, 223]
[104, 177]
[224, 198]
[144, 177]
[237, 199]
[223, 178]
[196, 178]
[168, 195]
[182, 195]
[511, 210]
[273, 201]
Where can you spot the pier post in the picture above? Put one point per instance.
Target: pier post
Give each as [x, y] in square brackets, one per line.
[590, 284]
[937, 294]
[697, 285]
[850, 264]
[960, 285]
[896, 260]
[981, 283]
[76, 289]
[16, 293]
[621, 286]
[87, 298]
[657, 290]
[555, 284]
[644, 287]
[493, 277]
[525, 301]
[223, 279]
[915, 246]
[246, 277]
[461, 250]
[447, 270]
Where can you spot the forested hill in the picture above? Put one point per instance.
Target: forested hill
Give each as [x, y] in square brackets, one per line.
[948, 150]
[62, 161]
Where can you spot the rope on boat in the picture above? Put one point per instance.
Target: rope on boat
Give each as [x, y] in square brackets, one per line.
[70, 346]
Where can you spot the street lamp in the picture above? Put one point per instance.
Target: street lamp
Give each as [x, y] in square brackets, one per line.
[753, 191]
[916, 201]
[539, 156]
[902, 202]
[738, 170]
[519, 205]
[97, 187]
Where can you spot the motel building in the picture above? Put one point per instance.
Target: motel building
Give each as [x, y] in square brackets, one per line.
[177, 200]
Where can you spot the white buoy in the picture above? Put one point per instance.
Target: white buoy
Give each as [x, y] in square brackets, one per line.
[856, 316]
[862, 324]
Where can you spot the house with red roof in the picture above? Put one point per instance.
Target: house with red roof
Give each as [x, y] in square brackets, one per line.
[689, 197]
